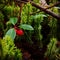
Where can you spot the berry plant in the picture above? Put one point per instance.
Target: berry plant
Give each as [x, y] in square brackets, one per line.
[29, 30]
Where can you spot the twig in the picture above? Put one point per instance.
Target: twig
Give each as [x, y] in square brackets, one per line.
[46, 8]
[57, 3]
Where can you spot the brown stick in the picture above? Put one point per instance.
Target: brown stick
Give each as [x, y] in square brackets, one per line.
[46, 10]
[57, 3]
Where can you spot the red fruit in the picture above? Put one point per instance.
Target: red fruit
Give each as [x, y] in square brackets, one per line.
[19, 32]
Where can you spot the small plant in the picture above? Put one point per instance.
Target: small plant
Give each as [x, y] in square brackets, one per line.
[8, 50]
[52, 49]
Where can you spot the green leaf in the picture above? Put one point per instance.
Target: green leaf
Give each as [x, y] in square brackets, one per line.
[13, 20]
[26, 27]
[11, 32]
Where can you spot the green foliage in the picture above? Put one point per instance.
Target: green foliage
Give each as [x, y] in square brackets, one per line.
[1, 6]
[25, 16]
[13, 20]
[37, 20]
[11, 32]
[37, 1]
[28, 22]
[11, 10]
[33, 20]
[55, 9]
[8, 49]
[52, 49]
[6, 1]
[1, 21]
[26, 27]
[1, 17]
[53, 24]
[8, 23]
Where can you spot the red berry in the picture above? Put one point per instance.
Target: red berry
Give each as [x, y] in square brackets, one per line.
[19, 32]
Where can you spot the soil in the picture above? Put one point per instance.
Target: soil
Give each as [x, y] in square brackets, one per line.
[31, 52]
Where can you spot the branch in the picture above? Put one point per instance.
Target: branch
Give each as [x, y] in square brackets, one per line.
[57, 3]
[46, 10]
[43, 3]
